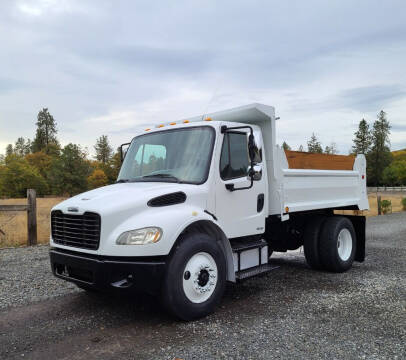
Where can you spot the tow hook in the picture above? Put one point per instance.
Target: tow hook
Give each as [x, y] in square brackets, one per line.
[124, 283]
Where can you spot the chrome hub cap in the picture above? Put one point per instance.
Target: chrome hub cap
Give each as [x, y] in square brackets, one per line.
[200, 277]
[344, 244]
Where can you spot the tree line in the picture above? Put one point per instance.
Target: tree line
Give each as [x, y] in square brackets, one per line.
[44, 165]
[384, 168]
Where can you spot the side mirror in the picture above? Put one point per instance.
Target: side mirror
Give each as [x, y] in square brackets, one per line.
[123, 151]
[255, 172]
[251, 147]
[254, 153]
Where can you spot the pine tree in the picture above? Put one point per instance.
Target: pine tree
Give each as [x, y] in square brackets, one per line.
[380, 156]
[300, 148]
[313, 145]
[22, 147]
[9, 150]
[103, 149]
[46, 131]
[362, 140]
[285, 146]
[331, 149]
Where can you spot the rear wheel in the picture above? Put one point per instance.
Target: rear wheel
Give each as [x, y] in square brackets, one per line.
[195, 278]
[337, 244]
[311, 242]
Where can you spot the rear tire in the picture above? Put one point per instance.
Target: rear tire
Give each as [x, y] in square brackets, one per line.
[311, 242]
[337, 244]
[195, 278]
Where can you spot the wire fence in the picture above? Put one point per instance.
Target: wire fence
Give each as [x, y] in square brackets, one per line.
[386, 189]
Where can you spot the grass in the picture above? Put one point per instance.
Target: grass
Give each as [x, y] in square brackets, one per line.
[14, 224]
[395, 198]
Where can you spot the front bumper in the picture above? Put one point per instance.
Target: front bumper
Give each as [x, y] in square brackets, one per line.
[108, 273]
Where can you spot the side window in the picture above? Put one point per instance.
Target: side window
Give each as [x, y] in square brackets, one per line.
[234, 159]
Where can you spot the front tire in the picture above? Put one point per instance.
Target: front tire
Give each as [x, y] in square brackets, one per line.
[195, 278]
[337, 244]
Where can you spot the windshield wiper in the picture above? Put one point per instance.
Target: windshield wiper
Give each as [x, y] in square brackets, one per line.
[163, 175]
[122, 181]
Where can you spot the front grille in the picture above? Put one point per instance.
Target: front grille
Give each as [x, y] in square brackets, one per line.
[82, 231]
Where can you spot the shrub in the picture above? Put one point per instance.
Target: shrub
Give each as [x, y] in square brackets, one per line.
[404, 204]
[386, 206]
[97, 179]
[18, 176]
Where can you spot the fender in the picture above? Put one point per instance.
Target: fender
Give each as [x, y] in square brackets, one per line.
[206, 225]
[173, 220]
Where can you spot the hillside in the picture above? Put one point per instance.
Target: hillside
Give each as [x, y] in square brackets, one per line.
[399, 154]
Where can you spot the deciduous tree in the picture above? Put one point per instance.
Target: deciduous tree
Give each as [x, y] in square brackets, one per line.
[395, 174]
[18, 176]
[41, 161]
[97, 179]
[69, 172]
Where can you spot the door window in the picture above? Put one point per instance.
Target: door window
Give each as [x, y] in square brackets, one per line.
[234, 159]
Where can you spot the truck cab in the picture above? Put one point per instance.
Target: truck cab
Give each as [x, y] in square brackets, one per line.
[203, 201]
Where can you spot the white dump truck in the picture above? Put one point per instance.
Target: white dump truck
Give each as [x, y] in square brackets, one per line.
[206, 200]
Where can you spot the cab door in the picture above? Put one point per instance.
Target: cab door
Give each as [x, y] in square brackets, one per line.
[240, 212]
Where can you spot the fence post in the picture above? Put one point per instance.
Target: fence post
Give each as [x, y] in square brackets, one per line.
[379, 205]
[32, 217]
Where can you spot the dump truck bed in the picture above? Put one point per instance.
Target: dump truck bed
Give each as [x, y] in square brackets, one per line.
[319, 181]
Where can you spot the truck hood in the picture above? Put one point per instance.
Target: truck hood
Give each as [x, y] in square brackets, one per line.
[122, 197]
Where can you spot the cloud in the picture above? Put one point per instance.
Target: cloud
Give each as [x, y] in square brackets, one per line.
[369, 98]
[108, 67]
[7, 84]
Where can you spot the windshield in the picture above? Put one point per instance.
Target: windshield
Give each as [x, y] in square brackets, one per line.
[181, 155]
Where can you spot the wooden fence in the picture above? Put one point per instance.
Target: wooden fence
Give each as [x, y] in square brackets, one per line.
[31, 209]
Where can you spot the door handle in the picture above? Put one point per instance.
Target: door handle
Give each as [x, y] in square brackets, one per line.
[230, 187]
[260, 202]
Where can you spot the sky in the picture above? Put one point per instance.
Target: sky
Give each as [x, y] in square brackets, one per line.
[108, 67]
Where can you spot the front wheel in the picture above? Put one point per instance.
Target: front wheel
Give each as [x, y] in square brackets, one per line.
[195, 279]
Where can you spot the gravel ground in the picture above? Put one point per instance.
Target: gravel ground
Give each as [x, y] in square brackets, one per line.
[290, 313]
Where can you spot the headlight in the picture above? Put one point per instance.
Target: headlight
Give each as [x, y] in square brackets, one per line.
[142, 236]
